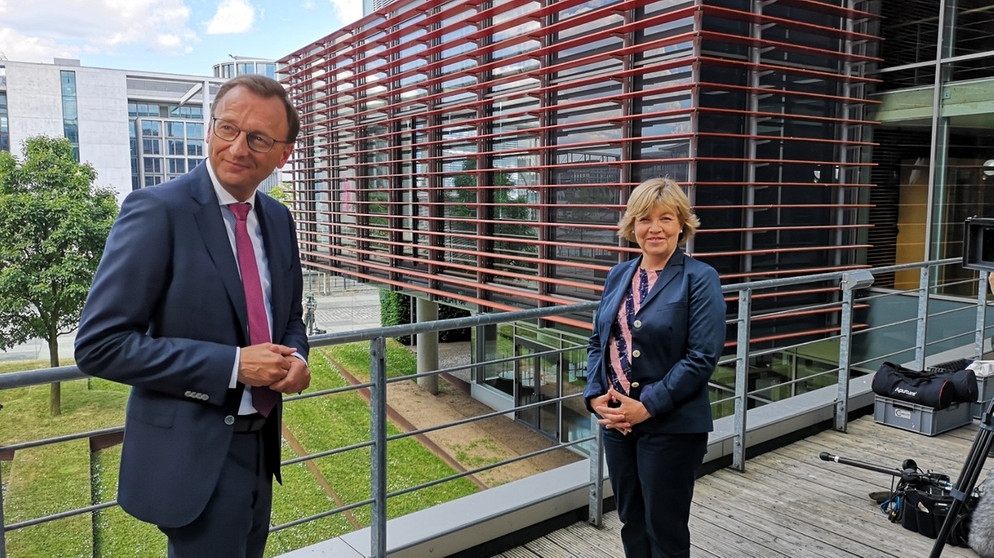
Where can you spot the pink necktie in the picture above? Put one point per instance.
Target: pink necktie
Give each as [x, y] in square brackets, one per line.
[263, 398]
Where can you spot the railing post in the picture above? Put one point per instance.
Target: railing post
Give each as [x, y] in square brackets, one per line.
[978, 343]
[595, 513]
[3, 525]
[851, 280]
[922, 322]
[378, 456]
[741, 379]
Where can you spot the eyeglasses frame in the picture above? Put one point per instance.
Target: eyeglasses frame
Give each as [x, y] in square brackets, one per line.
[248, 143]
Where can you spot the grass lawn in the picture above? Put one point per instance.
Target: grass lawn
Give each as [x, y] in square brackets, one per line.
[56, 478]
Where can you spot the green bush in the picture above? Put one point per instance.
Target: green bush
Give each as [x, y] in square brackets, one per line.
[395, 309]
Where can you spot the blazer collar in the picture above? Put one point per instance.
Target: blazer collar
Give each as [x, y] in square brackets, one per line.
[214, 233]
[674, 266]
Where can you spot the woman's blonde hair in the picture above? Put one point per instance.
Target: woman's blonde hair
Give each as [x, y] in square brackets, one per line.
[658, 192]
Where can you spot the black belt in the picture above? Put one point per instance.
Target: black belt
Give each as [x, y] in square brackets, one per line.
[246, 424]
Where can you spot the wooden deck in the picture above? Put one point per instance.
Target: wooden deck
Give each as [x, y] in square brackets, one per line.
[789, 503]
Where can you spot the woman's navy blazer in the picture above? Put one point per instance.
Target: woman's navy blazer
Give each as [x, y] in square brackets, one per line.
[677, 338]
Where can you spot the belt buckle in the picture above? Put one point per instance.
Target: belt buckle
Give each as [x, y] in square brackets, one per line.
[246, 424]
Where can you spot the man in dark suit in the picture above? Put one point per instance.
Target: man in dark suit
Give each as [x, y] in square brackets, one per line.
[169, 315]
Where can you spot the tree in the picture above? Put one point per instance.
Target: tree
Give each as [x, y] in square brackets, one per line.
[282, 193]
[53, 225]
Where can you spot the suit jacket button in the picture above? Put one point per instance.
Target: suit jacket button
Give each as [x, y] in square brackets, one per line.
[636, 353]
[638, 323]
[188, 393]
[635, 385]
[229, 420]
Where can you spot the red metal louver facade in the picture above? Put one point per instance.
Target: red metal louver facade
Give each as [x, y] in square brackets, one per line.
[480, 153]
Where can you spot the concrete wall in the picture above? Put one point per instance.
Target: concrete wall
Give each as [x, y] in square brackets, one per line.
[104, 139]
[34, 99]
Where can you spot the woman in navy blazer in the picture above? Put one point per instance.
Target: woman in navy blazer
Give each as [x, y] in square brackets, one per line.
[657, 336]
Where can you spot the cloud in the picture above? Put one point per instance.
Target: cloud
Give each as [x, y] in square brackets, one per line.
[16, 46]
[40, 31]
[232, 16]
[348, 10]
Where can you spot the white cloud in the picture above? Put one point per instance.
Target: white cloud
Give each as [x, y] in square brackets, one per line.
[38, 31]
[232, 16]
[15, 46]
[348, 10]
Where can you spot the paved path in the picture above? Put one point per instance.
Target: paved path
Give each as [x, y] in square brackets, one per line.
[348, 309]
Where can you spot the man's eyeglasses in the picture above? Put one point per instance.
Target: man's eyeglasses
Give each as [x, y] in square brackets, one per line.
[260, 143]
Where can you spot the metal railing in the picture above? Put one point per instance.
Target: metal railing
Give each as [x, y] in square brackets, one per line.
[930, 304]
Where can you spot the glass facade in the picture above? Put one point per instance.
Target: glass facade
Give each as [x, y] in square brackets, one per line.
[4, 124]
[480, 155]
[70, 110]
[934, 161]
[166, 141]
[240, 66]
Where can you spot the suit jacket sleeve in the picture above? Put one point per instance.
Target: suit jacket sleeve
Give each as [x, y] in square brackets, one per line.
[158, 317]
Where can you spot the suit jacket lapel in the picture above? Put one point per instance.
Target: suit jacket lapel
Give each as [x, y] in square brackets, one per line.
[214, 233]
[618, 291]
[673, 268]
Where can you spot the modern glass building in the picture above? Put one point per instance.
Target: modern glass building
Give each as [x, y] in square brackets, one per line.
[933, 160]
[167, 130]
[479, 155]
[242, 65]
[136, 128]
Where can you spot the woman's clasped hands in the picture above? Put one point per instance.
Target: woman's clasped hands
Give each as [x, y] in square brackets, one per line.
[618, 411]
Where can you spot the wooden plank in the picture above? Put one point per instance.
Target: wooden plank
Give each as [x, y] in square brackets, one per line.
[790, 503]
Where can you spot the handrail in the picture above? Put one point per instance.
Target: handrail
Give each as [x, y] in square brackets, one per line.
[853, 285]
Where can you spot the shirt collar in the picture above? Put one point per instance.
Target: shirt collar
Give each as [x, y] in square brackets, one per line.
[223, 197]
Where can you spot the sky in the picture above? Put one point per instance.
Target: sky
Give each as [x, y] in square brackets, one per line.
[173, 36]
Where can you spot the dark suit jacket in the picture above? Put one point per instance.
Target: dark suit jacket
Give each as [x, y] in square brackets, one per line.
[165, 314]
[679, 335]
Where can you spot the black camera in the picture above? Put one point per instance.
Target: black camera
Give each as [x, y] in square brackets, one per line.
[978, 244]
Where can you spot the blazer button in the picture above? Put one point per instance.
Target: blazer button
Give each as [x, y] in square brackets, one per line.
[636, 353]
[229, 420]
[638, 323]
[635, 385]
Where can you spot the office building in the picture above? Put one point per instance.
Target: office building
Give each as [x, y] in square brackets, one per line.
[135, 128]
[480, 156]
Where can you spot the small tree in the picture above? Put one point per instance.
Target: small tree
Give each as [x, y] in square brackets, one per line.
[53, 225]
[283, 193]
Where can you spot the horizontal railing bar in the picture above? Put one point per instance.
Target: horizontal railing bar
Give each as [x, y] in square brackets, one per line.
[504, 360]
[60, 515]
[327, 513]
[482, 468]
[332, 391]
[484, 416]
[65, 438]
[449, 323]
[72, 373]
[66, 373]
[328, 453]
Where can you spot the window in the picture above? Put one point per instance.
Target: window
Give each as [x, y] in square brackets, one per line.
[70, 118]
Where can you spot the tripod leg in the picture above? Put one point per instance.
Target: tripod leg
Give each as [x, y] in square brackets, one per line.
[968, 477]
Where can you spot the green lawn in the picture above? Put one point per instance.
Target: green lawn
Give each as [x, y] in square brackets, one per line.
[52, 479]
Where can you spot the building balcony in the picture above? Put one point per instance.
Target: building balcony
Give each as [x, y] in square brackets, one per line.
[764, 491]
